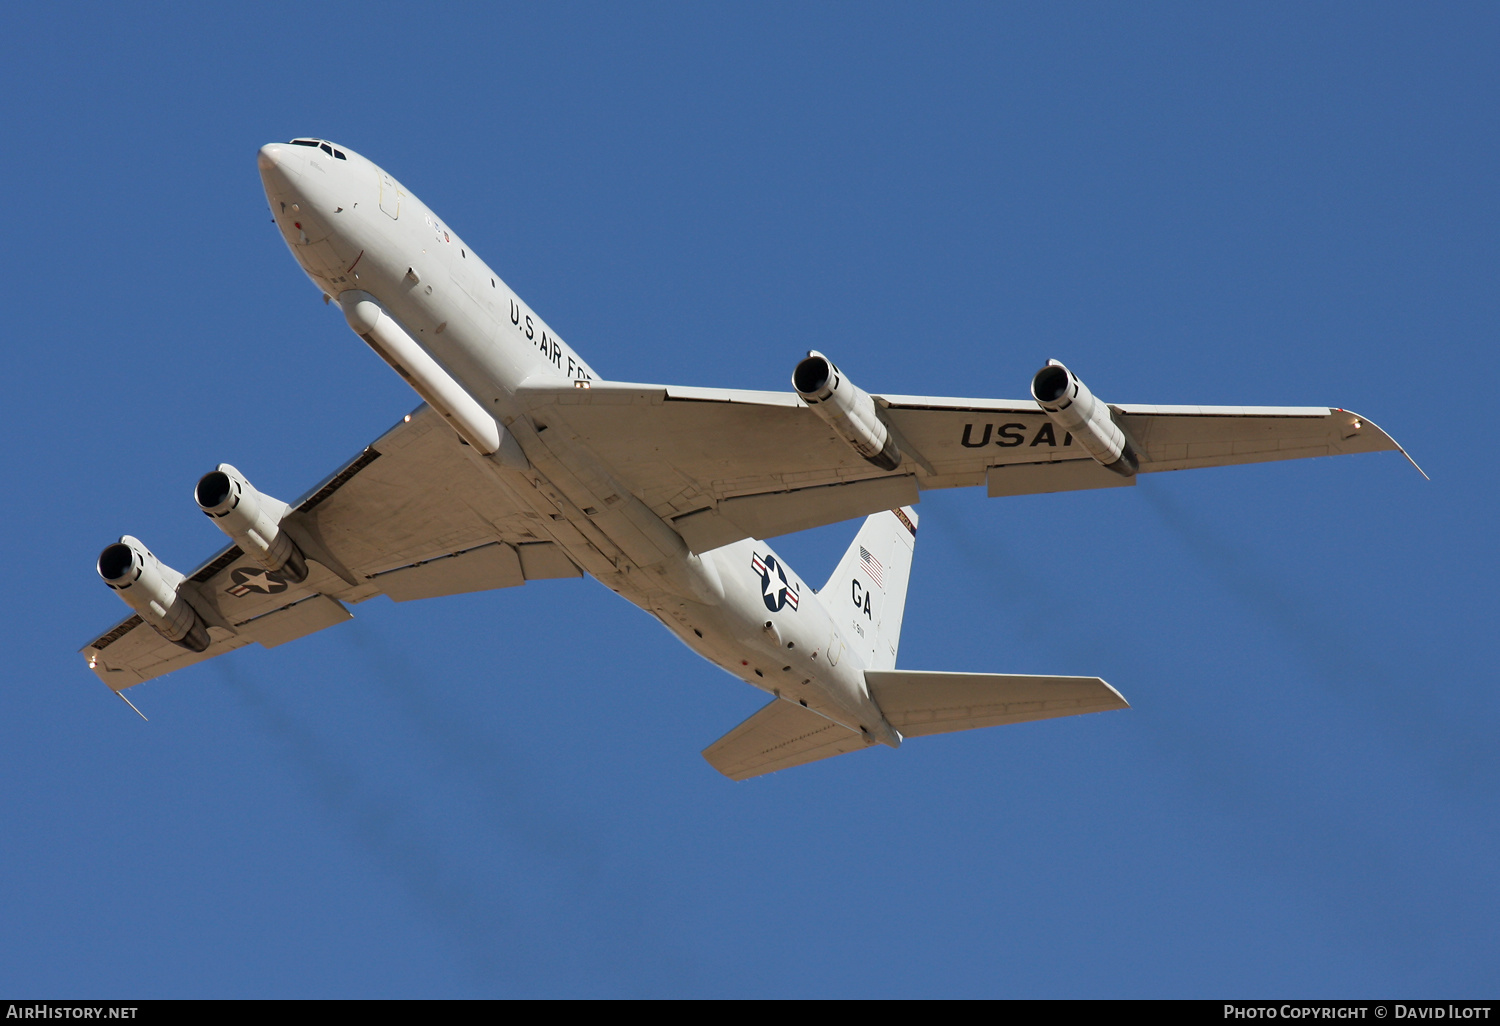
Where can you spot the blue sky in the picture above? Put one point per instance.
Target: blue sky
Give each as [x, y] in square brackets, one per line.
[501, 794]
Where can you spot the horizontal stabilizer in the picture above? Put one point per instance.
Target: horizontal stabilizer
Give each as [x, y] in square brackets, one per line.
[781, 735]
[918, 703]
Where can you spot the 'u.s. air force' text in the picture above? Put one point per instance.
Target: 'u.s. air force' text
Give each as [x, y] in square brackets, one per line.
[551, 348]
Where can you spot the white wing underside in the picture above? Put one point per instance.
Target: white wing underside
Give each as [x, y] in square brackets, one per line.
[723, 464]
[410, 517]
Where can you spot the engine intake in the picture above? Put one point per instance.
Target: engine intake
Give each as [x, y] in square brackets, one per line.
[252, 519]
[846, 408]
[153, 590]
[1072, 407]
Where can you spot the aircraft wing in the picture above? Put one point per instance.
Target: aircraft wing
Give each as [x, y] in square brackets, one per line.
[408, 518]
[725, 464]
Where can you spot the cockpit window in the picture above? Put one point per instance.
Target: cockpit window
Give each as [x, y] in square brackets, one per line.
[320, 144]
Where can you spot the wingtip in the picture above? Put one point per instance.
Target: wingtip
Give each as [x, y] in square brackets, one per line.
[1124, 702]
[1365, 421]
[1402, 450]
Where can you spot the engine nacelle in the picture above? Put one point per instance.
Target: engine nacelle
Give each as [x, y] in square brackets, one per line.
[152, 589]
[1072, 407]
[253, 520]
[846, 408]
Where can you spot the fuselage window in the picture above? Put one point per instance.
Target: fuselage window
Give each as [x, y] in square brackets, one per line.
[326, 149]
[340, 154]
[304, 142]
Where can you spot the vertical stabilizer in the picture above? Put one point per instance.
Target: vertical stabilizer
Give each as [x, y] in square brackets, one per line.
[867, 593]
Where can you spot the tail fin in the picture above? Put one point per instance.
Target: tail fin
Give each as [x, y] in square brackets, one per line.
[867, 593]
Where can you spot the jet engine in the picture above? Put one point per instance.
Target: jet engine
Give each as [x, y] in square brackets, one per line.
[1072, 407]
[253, 520]
[846, 408]
[152, 589]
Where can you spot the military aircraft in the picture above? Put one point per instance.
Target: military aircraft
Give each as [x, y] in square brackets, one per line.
[522, 464]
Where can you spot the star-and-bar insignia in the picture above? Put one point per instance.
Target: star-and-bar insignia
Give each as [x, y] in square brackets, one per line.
[775, 598]
[247, 579]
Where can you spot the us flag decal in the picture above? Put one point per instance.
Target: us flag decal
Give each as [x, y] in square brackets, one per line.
[872, 566]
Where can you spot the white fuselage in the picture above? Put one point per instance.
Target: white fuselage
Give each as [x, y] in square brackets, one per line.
[357, 232]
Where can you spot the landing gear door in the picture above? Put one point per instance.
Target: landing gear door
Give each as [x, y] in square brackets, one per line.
[390, 196]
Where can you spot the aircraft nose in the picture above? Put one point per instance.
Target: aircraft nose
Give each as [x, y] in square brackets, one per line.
[271, 156]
